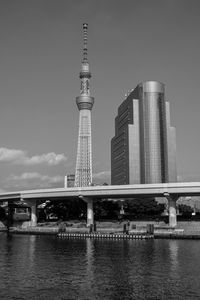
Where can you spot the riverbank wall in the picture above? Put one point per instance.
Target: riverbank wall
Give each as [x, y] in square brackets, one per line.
[184, 230]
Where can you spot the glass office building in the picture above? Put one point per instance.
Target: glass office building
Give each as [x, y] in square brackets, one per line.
[143, 149]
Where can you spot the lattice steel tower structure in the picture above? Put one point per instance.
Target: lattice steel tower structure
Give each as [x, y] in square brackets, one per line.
[83, 174]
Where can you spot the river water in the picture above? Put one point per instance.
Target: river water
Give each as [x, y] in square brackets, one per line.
[45, 267]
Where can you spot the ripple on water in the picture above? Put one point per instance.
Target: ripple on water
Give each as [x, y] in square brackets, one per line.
[34, 267]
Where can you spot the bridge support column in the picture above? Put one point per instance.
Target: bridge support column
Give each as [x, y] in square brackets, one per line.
[33, 206]
[172, 209]
[90, 210]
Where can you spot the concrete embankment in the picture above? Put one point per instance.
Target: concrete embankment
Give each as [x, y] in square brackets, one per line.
[184, 230]
[81, 233]
[175, 236]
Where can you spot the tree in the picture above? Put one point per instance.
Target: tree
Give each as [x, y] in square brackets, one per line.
[106, 209]
[65, 210]
[185, 210]
[2, 214]
[143, 207]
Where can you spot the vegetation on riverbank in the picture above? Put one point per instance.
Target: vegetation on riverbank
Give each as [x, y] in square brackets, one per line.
[103, 209]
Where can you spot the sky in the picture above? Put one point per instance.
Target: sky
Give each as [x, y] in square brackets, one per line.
[129, 41]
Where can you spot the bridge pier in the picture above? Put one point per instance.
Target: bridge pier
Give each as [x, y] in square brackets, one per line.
[90, 210]
[33, 206]
[172, 209]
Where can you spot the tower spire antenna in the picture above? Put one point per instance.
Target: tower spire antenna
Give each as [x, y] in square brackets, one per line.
[83, 173]
[85, 38]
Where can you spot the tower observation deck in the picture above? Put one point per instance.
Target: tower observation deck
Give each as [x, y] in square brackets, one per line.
[83, 173]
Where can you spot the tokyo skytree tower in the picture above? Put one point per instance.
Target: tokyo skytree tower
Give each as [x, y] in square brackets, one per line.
[83, 174]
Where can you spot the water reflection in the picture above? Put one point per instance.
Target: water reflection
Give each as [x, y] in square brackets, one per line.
[90, 265]
[173, 252]
[33, 267]
[31, 251]
[89, 254]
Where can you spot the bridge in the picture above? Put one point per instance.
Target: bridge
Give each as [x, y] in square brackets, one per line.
[171, 191]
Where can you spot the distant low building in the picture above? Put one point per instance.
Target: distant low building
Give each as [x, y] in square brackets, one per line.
[69, 180]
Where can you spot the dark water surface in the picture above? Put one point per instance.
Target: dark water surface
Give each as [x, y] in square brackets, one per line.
[44, 267]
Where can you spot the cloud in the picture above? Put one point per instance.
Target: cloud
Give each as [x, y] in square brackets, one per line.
[102, 177]
[188, 178]
[34, 175]
[20, 157]
[33, 180]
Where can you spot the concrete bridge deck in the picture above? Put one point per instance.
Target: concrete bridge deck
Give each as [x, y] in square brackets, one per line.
[110, 191]
[171, 191]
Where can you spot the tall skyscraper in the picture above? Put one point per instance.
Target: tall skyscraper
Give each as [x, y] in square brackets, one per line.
[143, 149]
[83, 174]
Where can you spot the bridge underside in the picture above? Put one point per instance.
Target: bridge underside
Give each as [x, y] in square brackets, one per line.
[171, 191]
